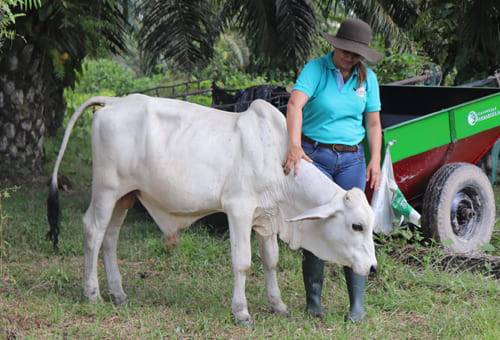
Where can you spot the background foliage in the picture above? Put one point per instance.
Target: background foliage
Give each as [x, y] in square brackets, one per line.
[10, 10]
[239, 42]
[400, 65]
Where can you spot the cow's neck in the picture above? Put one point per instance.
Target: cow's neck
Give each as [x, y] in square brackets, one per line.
[309, 189]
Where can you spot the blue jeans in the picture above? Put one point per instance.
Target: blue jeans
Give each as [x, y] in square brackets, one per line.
[347, 169]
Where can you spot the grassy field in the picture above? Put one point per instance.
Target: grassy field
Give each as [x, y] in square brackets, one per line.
[186, 292]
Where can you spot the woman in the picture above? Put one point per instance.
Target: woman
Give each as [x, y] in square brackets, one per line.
[332, 97]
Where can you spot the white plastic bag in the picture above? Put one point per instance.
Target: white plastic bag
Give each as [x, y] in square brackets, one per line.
[388, 202]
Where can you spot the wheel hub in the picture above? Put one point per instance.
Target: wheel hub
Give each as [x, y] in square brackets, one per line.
[464, 212]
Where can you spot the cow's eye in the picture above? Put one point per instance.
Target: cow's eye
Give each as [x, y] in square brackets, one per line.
[357, 227]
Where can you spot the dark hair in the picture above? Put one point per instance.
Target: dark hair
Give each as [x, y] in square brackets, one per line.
[361, 73]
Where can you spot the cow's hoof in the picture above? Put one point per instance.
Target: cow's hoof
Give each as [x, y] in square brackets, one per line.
[315, 311]
[280, 309]
[119, 300]
[355, 316]
[93, 295]
[95, 300]
[243, 319]
[245, 323]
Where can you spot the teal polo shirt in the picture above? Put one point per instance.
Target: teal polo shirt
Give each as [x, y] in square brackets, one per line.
[334, 111]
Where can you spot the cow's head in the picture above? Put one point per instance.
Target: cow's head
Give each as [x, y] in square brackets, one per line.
[341, 231]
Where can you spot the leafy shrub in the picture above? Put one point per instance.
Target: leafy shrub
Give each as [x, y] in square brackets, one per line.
[102, 74]
[230, 54]
[229, 64]
[108, 75]
[399, 66]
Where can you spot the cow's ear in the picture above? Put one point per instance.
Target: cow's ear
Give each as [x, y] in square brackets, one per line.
[323, 211]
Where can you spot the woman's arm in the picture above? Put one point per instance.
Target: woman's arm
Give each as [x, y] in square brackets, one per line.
[294, 125]
[374, 133]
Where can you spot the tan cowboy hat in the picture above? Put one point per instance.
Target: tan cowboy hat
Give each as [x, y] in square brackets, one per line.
[354, 35]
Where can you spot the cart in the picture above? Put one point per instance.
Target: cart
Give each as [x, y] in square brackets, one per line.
[440, 134]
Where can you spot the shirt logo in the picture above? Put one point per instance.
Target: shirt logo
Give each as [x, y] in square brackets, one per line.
[361, 92]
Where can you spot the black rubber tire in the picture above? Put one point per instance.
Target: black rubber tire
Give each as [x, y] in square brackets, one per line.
[459, 208]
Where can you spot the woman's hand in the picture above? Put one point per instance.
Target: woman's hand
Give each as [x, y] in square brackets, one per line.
[373, 174]
[292, 159]
[295, 152]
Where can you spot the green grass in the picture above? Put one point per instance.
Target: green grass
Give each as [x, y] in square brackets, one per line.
[186, 292]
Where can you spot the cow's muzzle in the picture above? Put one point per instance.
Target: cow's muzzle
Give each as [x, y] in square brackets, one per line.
[373, 270]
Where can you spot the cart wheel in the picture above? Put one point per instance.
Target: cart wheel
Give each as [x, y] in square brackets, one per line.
[459, 207]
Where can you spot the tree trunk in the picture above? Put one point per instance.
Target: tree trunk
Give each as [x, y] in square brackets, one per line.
[31, 105]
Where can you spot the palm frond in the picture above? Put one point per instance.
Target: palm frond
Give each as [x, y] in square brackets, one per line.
[295, 27]
[477, 39]
[326, 6]
[403, 12]
[80, 26]
[180, 31]
[238, 48]
[386, 18]
[279, 32]
[255, 20]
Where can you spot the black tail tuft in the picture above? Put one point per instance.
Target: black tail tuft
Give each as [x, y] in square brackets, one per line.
[53, 214]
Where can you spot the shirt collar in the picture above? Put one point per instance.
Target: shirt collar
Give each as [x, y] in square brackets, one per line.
[331, 65]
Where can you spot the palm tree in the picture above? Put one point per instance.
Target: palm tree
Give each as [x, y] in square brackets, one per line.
[461, 35]
[184, 32]
[39, 63]
[279, 32]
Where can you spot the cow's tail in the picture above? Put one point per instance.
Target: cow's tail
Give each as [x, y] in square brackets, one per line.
[53, 212]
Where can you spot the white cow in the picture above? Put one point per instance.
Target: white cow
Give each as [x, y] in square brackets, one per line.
[184, 161]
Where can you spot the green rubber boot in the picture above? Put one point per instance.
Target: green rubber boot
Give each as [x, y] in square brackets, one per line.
[356, 288]
[312, 271]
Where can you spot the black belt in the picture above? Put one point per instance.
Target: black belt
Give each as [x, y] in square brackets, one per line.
[336, 147]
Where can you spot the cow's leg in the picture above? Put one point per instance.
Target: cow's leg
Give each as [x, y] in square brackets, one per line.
[269, 252]
[95, 222]
[109, 246]
[240, 228]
